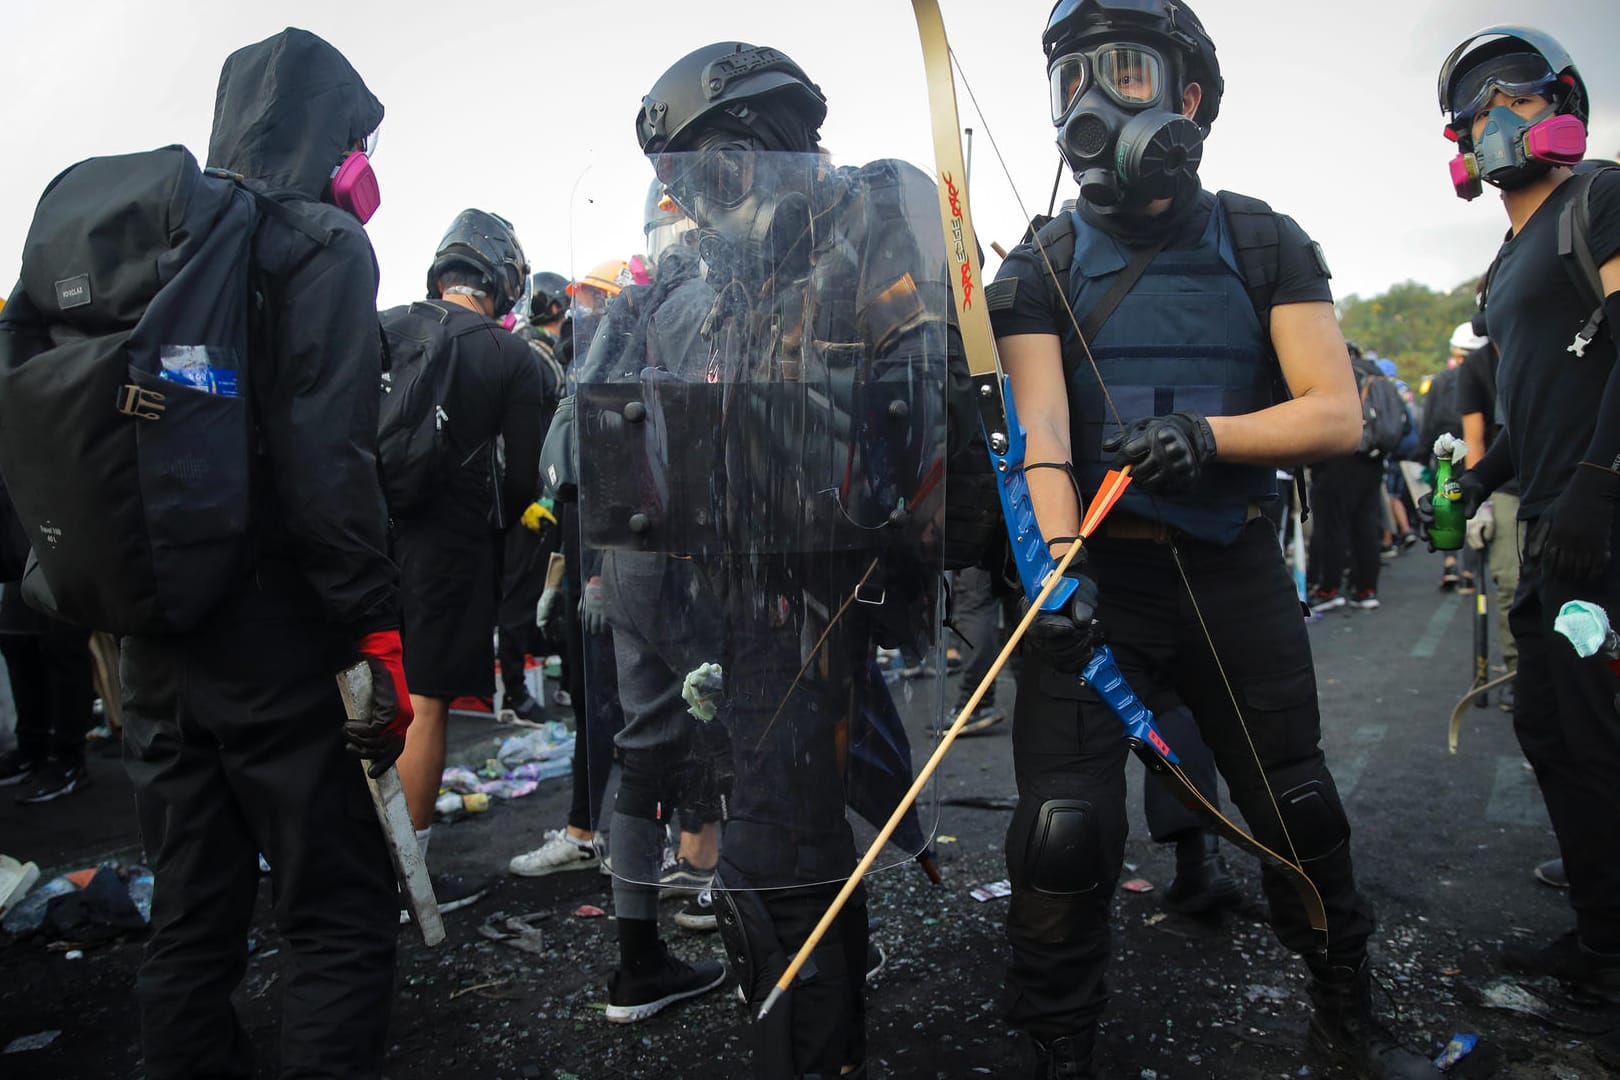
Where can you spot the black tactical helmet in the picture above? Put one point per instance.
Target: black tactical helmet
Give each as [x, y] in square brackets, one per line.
[1167, 23]
[485, 244]
[545, 289]
[732, 86]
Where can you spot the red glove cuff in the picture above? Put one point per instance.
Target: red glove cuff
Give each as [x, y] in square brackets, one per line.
[385, 647]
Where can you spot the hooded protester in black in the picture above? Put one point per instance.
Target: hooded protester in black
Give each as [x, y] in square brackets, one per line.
[287, 111]
[234, 734]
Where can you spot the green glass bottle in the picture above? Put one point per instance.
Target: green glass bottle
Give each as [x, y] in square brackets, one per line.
[1450, 527]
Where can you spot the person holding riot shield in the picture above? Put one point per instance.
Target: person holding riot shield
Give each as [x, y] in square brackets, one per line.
[799, 468]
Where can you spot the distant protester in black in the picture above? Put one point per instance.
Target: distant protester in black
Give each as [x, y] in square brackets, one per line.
[450, 549]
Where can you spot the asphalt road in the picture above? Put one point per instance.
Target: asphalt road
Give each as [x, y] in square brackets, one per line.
[1444, 847]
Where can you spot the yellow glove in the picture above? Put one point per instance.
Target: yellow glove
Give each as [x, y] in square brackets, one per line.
[536, 515]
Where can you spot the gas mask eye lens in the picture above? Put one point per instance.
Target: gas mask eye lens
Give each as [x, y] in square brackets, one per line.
[1131, 75]
[726, 175]
[1068, 82]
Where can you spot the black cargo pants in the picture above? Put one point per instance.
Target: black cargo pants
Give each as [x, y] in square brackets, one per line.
[233, 740]
[1069, 746]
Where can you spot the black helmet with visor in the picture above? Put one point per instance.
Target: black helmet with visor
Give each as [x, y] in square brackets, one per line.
[546, 289]
[487, 245]
[1516, 60]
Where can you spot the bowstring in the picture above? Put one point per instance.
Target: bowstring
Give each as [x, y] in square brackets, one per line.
[1096, 370]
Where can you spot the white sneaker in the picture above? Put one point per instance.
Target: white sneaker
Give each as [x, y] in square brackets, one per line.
[559, 852]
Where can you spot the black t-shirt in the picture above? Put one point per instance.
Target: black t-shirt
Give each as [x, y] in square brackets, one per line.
[1038, 307]
[1476, 393]
[1547, 396]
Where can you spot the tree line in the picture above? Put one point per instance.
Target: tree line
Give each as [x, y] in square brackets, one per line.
[1410, 324]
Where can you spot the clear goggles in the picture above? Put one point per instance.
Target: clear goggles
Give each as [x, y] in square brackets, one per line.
[1516, 75]
[722, 175]
[1133, 75]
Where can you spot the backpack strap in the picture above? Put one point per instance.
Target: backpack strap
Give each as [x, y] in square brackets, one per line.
[1575, 250]
[1256, 241]
[1055, 237]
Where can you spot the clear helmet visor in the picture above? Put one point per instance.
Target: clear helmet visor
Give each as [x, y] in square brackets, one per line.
[1133, 75]
[1516, 75]
[368, 145]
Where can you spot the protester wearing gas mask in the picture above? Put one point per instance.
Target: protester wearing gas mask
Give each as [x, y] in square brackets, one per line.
[1208, 355]
[1517, 107]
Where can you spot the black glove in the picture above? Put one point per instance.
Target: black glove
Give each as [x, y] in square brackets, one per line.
[1066, 637]
[1167, 453]
[1579, 523]
[1473, 497]
[379, 738]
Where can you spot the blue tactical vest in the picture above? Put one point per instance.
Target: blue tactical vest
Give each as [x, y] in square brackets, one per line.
[1186, 337]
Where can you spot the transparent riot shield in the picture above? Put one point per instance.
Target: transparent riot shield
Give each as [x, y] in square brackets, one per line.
[762, 443]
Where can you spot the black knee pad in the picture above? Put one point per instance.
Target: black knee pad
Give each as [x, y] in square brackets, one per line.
[1310, 807]
[1055, 846]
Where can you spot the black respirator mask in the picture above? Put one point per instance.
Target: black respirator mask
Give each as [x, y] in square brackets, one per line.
[752, 207]
[1113, 107]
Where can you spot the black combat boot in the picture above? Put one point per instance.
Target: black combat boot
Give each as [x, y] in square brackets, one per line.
[1068, 1058]
[1203, 883]
[1345, 1033]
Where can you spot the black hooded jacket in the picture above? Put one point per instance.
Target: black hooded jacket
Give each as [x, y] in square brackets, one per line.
[287, 110]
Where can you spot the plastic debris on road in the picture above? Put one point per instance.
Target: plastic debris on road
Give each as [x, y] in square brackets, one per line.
[1456, 1050]
[29, 912]
[992, 890]
[1138, 885]
[25, 1043]
[551, 742]
[588, 911]
[16, 878]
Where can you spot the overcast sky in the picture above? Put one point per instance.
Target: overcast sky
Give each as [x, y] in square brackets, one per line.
[1329, 114]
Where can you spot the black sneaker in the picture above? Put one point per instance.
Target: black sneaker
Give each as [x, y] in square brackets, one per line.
[15, 767]
[53, 780]
[984, 718]
[1567, 959]
[526, 710]
[1203, 883]
[637, 997]
[698, 914]
[681, 878]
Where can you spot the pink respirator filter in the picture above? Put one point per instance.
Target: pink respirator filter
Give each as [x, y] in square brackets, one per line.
[1465, 176]
[1560, 140]
[354, 187]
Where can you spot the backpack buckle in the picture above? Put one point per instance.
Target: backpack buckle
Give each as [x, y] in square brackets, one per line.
[139, 402]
